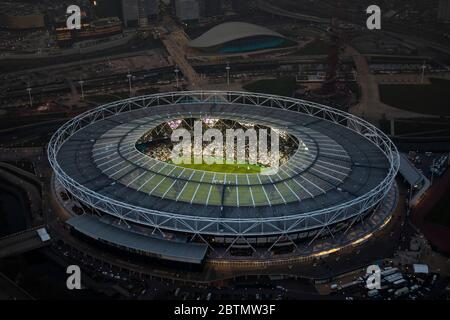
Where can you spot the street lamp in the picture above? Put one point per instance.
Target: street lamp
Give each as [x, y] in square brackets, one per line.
[29, 95]
[432, 171]
[81, 82]
[176, 75]
[129, 76]
[423, 71]
[228, 74]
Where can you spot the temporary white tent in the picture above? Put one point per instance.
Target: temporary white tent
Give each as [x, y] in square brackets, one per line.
[420, 268]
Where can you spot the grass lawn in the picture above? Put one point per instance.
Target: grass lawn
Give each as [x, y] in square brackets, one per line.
[147, 91]
[440, 214]
[114, 96]
[421, 98]
[223, 168]
[281, 86]
[315, 47]
[423, 127]
[106, 98]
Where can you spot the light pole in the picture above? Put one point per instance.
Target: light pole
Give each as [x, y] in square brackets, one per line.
[81, 82]
[228, 74]
[129, 76]
[423, 71]
[432, 171]
[410, 197]
[176, 76]
[29, 95]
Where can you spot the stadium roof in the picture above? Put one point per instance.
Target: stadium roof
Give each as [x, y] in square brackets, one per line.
[230, 31]
[103, 157]
[342, 168]
[151, 246]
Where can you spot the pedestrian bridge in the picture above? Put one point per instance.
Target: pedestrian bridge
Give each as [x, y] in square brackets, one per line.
[24, 241]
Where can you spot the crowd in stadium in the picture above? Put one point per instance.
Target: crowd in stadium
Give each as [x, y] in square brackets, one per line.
[157, 144]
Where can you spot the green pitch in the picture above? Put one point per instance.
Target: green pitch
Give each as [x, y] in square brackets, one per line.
[223, 167]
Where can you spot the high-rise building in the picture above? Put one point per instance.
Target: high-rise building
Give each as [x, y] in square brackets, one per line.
[148, 10]
[130, 12]
[143, 19]
[187, 9]
[210, 8]
[108, 8]
[444, 11]
[151, 8]
[240, 6]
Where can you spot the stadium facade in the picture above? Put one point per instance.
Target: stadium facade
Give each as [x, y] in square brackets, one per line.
[238, 37]
[341, 175]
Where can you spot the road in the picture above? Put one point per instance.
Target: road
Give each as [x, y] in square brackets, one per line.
[178, 55]
[370, 107]
[21, 242]
[264, 6]
[10, 291]
[14, 154]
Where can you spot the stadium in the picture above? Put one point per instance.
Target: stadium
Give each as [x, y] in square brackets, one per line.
[335, 186]
[237, 37]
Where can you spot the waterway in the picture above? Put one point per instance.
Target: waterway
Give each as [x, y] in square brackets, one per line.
[40, 276]
[13, 210]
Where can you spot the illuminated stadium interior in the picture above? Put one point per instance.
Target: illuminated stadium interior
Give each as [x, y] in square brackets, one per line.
[157, 144]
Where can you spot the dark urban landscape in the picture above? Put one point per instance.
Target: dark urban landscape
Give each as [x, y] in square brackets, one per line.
[204, 152]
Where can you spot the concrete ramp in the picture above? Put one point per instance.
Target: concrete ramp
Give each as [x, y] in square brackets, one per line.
[23, 242]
